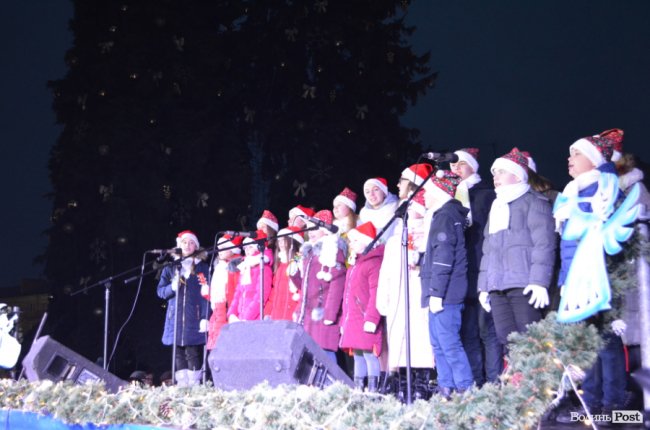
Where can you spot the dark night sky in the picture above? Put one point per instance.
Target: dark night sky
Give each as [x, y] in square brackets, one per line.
[537, 75]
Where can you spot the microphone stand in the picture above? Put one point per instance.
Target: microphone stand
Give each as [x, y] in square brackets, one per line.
[261, 246]
[401, 212]
[107, 298]
[177, 270]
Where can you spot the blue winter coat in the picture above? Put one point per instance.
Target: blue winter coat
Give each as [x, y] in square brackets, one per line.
[192, 306]
[444, 266]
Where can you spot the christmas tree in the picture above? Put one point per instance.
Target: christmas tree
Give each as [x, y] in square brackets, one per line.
[200, 115]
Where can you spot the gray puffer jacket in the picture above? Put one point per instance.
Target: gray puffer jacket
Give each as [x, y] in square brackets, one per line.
[524, 253]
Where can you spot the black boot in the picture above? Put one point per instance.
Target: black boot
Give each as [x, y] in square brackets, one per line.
[421, 384]
[387, 385]
[400, 385]
[359, 383]
[372, 384]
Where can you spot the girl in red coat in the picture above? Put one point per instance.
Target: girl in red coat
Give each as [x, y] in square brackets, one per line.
[361, 328]
[268, 224]
[222, 285]
[246, 303]
[284, 297]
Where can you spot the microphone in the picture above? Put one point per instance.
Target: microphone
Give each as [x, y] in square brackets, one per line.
[441, 156]
[251, 234]
[330, 227]
[166, 251]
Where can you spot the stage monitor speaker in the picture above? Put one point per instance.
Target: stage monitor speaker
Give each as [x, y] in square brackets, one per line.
[48, 359]
[280, 352]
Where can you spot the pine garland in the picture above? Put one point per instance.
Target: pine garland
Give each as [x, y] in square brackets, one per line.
[537, 360]
[622, 273]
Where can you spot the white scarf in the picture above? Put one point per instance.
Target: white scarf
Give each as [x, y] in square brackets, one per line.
[218, 282]
[187, 265]
[471, 180]
[571, 190]
[245, 267]
[500, 210]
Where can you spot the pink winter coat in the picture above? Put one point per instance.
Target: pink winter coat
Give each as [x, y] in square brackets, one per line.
[246, 302]
[360, 303]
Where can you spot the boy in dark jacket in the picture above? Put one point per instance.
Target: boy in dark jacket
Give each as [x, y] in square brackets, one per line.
[477, 329]
[444, 281]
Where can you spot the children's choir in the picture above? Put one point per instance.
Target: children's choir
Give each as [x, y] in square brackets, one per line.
[479, 262]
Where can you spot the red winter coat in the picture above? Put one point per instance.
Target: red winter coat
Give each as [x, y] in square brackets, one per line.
[281, 305]
[319, 292]
[219, 309]
[360, 303]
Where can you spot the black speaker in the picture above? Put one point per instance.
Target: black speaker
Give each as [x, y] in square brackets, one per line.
[48, 359]
[280, 352]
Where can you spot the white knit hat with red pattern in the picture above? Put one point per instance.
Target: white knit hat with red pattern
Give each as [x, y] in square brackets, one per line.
[348, 198]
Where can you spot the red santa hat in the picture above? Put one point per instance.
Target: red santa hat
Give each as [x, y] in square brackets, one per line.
[348, 198]
[300, 211]
[294, 233]
[228, 241]
[443, 185]
[469, 156]
[417, 204]
[514, 162]
[268, 219]
[377, 182]
[417, 173]
[365, 233]
[259, 234]
[600, 147]
[187, 234]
